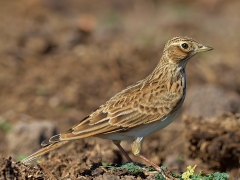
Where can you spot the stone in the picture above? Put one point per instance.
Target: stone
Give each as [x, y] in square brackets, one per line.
[25, 137]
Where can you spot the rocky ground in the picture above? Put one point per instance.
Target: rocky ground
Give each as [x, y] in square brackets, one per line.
[60, 60]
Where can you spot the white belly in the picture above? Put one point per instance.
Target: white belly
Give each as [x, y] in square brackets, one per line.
[142, 130]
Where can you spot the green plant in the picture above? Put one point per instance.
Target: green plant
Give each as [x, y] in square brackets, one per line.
[131, 167]
[159, 177]
[41, 91]
[5, 126]
[21, 157]
[188, 175]
[105, 164]
[190, 171]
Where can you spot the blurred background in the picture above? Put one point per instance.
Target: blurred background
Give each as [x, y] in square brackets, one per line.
[60, 60]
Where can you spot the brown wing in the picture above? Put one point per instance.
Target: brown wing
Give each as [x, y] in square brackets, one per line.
[138, 104]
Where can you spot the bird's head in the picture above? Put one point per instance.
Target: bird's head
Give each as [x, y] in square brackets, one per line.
[179, 49]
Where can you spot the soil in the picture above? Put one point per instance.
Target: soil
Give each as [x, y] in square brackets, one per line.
[207, 136]
[60, 60]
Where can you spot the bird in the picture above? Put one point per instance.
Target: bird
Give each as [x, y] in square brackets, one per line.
[141, 109]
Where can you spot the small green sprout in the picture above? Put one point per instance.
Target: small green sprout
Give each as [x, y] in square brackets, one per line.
[5, 126]
[159, 177]
[41, 91]
[21, 157]
[218, 176]
[131, 167]
[190, 171]
[105, 164]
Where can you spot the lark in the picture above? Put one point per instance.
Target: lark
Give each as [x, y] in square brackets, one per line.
[139, 110]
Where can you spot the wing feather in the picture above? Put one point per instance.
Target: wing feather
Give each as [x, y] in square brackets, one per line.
[125, 111]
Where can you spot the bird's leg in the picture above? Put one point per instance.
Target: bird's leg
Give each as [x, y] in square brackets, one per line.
[136, 149]
[117, 143]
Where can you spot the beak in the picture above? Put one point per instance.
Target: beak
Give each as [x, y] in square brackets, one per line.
[202, 48]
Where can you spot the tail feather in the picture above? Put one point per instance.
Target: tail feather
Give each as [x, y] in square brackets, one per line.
[52, 140]
[43, 151]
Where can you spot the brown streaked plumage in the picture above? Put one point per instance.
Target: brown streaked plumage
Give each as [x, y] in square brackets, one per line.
[141, 109]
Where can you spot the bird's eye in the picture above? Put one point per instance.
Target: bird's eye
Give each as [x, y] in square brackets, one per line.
[184, 45]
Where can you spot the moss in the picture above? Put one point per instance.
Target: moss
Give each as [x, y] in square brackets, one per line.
[189, 174]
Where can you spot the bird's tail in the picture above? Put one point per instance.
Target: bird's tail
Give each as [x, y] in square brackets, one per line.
[43, 151]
